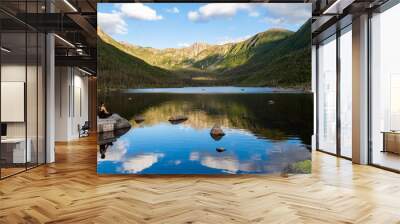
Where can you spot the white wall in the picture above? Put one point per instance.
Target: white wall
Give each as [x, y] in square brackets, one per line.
[33, 126]
[62, 80]
[71, 102]
[80, 110]
[13, 101]
[12, 73]
[314, 90]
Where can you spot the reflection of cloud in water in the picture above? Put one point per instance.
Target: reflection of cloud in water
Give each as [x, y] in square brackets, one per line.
[184, 127]
[224, 163]
[227, 163]
[256, 156]
[286, 148]
[282, 154]
[116, 152]
[279, 157]
[237, 131]
[194, 156]
[134, 164]
[138, 163]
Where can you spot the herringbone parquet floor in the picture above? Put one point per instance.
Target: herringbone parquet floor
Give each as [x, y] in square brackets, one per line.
[70, 191]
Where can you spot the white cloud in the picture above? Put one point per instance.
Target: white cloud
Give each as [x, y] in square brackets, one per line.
[254, 14]
[273, 21]
[112, 23]
[287, 14]
[284, 14]
[183, 44]
[218, 10]
[138, 11]
[193, 16]
[173, 10]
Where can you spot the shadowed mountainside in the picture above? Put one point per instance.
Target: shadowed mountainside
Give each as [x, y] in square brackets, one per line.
[119, 69]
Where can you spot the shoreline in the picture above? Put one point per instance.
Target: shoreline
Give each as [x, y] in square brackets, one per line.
[216, 90]
[283, 89]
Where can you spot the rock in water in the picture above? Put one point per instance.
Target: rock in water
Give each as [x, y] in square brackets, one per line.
[120, 122]
[177, 119]
[216, 137]
[220, 149]
[138, 118]
[113, 123]
[217, 132]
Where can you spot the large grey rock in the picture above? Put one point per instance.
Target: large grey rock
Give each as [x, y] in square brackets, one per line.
[120, 122]
[116, 121]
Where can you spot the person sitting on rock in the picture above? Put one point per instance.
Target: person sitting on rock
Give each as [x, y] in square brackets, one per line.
[103, 112]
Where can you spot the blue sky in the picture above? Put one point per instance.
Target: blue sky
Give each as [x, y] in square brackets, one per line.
[172, 25]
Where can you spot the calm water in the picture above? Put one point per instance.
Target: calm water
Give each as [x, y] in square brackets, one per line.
[266, 131]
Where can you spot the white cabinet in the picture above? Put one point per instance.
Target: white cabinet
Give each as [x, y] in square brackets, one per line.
[17, 148]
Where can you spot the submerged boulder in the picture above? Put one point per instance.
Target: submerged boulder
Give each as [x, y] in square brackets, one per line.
[216, 137]
[216, 132]
[220, 149]
[177, 119]
[138, 118]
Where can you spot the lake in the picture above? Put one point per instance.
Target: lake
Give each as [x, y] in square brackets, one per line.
[267, 130]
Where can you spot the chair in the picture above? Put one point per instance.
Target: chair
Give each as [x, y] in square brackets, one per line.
[84, 130]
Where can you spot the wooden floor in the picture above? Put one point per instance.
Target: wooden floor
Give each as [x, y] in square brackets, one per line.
[387, 159]
[5, 172]
[70, 191]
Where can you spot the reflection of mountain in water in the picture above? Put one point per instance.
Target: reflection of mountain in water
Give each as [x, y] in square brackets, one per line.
[260, 137]
[290, 115]
[201, 117]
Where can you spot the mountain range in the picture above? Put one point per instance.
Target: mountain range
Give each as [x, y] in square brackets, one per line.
[276, 57]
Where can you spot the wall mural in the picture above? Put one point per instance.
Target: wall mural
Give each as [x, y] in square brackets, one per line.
[217, 88]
